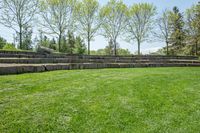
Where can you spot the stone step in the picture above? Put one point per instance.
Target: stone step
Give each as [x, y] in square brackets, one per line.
[69, 60]
[30, 68]
[9, 54]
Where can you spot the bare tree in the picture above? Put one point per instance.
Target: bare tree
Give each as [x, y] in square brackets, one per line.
[57, 17]
[139, 22]
[164, 32]
[88, 19]
[16, 14]
[113, 18]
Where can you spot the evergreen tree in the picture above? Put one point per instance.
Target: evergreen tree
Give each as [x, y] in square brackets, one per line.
[2, 42]
[70, 42]
[43, 40]
[52, 44]
[64, 45]
[109, 50]
[27, 38]
[80, 47]
[178, 33]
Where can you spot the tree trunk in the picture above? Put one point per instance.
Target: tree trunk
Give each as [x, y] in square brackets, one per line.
[59, 42]
[88, 46]
[20, 37]
[138, 47]
[167, 43]
[115, 47]
[196, 48]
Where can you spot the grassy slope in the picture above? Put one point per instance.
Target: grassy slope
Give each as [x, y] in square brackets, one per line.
[109, 100]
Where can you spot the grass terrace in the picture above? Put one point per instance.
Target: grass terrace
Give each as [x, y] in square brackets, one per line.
[139, 100]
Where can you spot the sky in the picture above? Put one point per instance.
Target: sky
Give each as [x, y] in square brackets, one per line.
[100, 42]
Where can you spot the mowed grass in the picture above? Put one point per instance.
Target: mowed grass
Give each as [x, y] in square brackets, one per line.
[108, 100]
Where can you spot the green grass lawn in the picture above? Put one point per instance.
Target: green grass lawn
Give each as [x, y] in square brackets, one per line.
[108, 100]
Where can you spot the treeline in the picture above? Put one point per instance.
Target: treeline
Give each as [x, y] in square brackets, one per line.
[65, 25]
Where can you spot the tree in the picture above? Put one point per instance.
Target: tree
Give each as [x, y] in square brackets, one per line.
[16, 14]
[64, 45]
[178, 34]
[27, 38]
[109, 50]
[80, 47]
[52, 44]
[88, 20]
[140, 22]
[2, 42]
[43, 40]
[70, 42]
[112, 17]
[193, 26]
[57, 17]
[164, 28]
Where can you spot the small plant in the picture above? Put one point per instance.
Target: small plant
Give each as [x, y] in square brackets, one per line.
[9, 47]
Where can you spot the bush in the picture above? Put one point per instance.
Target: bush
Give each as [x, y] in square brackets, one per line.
[9, 47]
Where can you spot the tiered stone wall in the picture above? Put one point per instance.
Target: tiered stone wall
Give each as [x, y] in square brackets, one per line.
[12, 62]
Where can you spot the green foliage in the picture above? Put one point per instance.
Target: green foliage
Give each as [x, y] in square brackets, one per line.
[123, 51]
[88, 19]
[17, 15]
[43, 40]
[178, 35]
[9, 47]
[109, 50]
[64, 45]
[2, 42]
[52, 44]
[27, 38]
[57, 17]
[71, 42]
[113, 20]
[147, 100]
[80, 47]
[193, 29]
[140, 22]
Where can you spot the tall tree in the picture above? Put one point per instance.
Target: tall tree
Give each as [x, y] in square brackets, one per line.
[193, 26]
[57, 17]
[2, 42]
[164, 29]
[43, 40]
[88, 11]
[16, 14]
[52, 44]
[70, 42]
[109, 50]
[27, 38]
[113, 18]
[140, 22]
[178, 34]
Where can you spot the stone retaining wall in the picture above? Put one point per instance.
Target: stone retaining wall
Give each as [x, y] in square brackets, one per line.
[22, 54]
[50, 67]
[17, 62]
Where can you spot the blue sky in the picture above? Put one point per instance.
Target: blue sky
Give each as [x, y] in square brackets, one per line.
[101, 42]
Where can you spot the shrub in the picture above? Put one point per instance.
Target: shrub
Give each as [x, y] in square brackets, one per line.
[9, 47]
